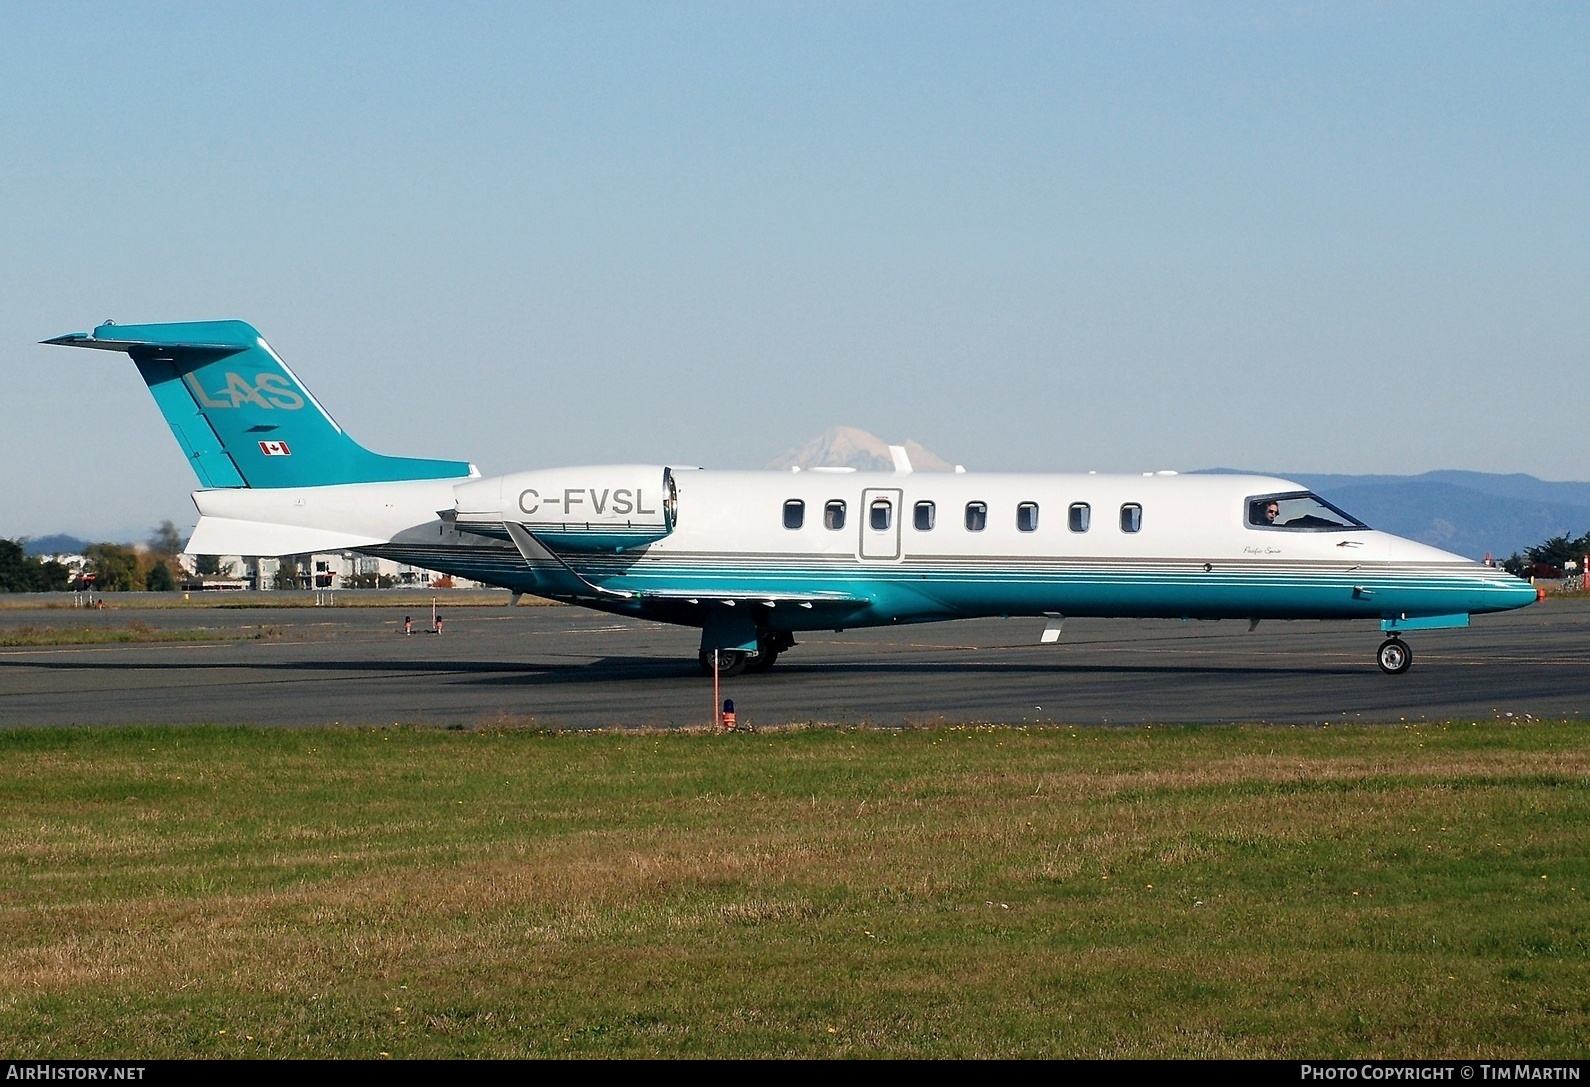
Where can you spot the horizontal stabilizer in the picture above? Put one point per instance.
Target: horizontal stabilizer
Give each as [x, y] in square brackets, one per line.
[102, 343]
[228, 536]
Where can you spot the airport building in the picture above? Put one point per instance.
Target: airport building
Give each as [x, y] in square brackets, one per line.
[324, 570]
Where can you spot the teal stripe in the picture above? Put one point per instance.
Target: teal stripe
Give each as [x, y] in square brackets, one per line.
[899, 592]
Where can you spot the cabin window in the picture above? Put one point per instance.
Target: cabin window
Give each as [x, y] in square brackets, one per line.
[834, 514]
[976, 516]
[1027, 517]
[922, 516]
[1131, 517]
[881, 514]
[794, 513]
[1298, 510]
[1081, 513]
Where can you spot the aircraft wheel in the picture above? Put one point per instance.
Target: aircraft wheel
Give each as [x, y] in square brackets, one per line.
[1394, 656]
[766, 653]
[731, 662]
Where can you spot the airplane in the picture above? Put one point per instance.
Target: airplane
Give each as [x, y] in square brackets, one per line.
[755, 558]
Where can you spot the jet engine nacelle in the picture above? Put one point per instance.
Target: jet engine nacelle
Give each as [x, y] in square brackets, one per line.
[610, 507]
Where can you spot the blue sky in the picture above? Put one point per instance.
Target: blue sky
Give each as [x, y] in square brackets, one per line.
[1305, 238]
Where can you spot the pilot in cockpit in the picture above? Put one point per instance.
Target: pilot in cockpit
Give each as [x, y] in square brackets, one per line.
[1306, 511]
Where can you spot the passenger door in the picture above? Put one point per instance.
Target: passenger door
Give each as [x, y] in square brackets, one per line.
[880, 523]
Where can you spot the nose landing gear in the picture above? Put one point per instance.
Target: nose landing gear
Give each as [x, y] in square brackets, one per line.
[1394, 656]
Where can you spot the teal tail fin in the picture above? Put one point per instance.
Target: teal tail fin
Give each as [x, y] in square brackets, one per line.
[241, 416]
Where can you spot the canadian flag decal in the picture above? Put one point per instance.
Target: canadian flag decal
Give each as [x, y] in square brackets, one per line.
[275, 449]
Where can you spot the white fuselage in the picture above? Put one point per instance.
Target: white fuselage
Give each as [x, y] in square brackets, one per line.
[690, 545]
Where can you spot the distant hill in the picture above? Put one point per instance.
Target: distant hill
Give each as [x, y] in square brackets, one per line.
[58, 544]
[1468, 513]
[852, 447]
[1516, 486]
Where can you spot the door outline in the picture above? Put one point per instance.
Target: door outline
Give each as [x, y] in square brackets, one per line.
[873, 545]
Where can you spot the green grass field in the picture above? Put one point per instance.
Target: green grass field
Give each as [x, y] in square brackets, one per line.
[133, 632]
[1257, 891]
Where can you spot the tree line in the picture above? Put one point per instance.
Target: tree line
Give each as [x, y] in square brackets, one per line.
[116, 568]
[1549, 558]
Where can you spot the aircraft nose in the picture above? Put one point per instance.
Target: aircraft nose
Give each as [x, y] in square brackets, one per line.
[1516, 593]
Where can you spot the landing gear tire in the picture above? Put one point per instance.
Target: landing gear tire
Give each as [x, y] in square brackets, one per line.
[731, 662]
[1394, 656]
[766, 654]
[768, 647]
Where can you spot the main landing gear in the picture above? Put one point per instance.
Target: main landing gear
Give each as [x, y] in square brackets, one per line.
[1394, 656]
[731, 662]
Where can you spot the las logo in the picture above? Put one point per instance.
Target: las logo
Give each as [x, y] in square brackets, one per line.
[268, 391]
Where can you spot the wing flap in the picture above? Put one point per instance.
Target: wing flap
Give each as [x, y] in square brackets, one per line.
[535, 551]
[716, 596]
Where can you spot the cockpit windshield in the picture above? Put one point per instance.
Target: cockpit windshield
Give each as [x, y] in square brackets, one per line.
[1299, 510]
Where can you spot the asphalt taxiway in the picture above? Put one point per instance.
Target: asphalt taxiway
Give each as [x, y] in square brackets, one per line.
[565, 667]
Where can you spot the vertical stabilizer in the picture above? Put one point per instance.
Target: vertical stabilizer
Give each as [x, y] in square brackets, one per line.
[241, 416]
